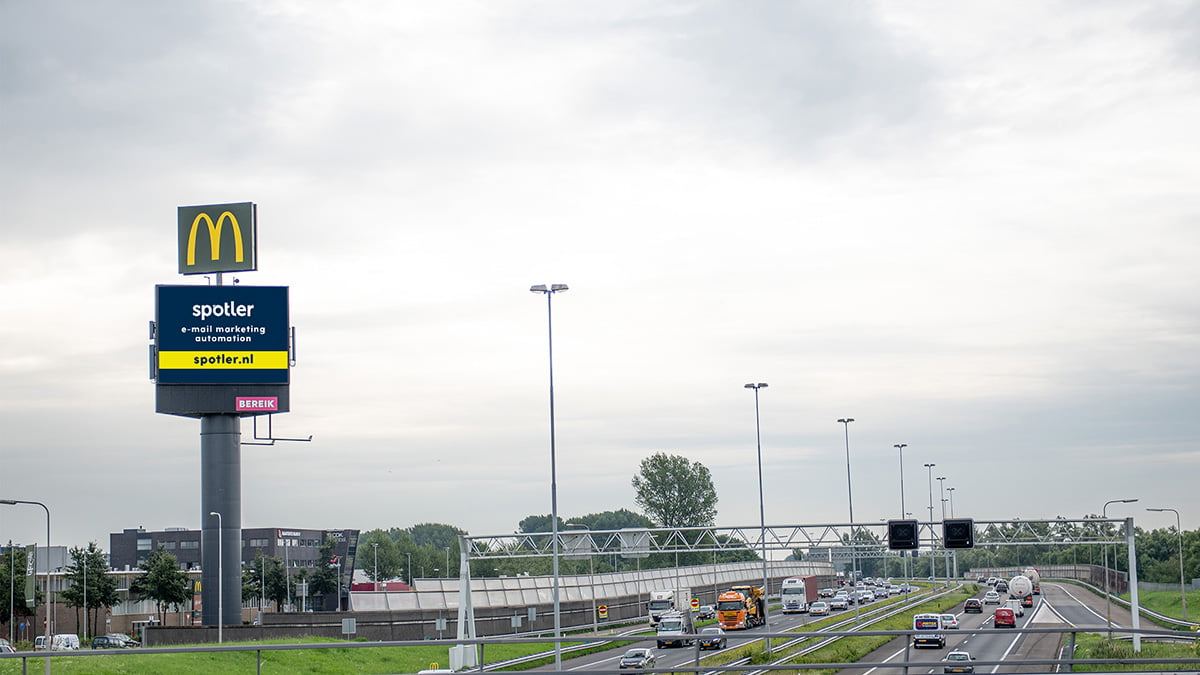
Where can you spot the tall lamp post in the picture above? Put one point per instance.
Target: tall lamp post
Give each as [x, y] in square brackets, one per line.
[549, 293]
[953, 554]
[1179, 530]
[845, 421]
[220, 580]
[901, 447]
[1107, 581]
[762, 517]
[945, 554]
[14, 502]
[410, 579]
[375, 548]
[929, 467]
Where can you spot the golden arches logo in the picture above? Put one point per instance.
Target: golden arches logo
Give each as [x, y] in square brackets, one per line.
[214, 236]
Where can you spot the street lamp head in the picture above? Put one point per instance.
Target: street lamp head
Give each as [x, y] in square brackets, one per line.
[900, 445]
[214, 513]
[941, 478]
[557, 288]
[928, 466]
[10, 502]
[846, 420]
[760, 385]
[554, 288]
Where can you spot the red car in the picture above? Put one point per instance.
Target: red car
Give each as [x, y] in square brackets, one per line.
[1004, 618]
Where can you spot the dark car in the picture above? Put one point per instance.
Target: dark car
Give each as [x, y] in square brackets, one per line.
[711, 638]
[108, 642]
[706, 612]
[973, 606]
[637, 658]
[1027, 601]
[1001, 586]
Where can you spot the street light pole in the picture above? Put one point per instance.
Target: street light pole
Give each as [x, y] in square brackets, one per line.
[845, 421]
[375, 547]
[1179, 531]
[13, 502]
[549, 293]
[901, 447]
[410, 579]
[951, 491]
[762, 517]
[1107, 580]
[929, 467]
[220, 579]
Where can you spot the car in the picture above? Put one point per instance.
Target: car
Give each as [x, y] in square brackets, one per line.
[1001, 586]
[825, 592]
[6, 648]
[864, 597]
[818, 609]
[638, 658]
[39, 643]
[1016, 607]
[981, 579]
[129, 642]
[959, 661]
[1004, 617]
[1027, 601]
[949, 621]
[706, 612]
[111, 642]
[973, 606]
[881, 592]
[894, 590]
[992, 581]
[839, 602]
[991, 598]
[711, 637]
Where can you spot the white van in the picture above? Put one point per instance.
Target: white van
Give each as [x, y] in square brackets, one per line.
[64, 641]
[927, 631]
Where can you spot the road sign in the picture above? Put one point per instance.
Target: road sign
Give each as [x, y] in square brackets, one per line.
[695, 604]
[602, 610]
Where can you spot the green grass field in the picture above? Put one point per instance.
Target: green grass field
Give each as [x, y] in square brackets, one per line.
[1168, 603]
[1097, 646]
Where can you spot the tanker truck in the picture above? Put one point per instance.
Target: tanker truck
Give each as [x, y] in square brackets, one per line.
[1035, 579]
[741, 607]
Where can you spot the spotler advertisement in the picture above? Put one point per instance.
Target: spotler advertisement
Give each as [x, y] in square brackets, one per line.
[222, 334]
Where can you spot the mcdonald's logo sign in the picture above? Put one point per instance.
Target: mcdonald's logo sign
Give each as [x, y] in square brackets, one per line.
[218, 238]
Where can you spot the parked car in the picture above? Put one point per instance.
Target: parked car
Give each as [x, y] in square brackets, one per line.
[991, 598]
[638, 657]
[706, 612]
[112, 642]
[712, 637]
[1004, 618]
[959, 662]
[818, 609]
[973, 606]
[949, 621]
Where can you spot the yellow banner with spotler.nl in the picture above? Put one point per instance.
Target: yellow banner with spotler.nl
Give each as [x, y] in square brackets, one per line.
[223, 360]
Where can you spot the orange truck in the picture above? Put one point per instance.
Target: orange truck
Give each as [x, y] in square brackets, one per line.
[741, 607]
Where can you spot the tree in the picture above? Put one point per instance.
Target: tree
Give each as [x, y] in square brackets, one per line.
[323, 579]
[90, 584]
[276, 580]
[675, 492]
[163, 582]
[387, 554]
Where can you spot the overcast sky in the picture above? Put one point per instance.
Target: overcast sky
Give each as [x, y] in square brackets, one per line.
[970, 226]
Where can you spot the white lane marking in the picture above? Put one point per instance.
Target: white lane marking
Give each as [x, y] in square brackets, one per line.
[1098, 615]
[885, 661]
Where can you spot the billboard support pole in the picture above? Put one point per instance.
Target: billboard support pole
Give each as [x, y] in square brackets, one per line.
[221, 492]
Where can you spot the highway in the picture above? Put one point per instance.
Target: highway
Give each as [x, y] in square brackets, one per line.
[1060, 605]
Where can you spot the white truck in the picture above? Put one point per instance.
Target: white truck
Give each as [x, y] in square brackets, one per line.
[661, 602]
[797, 593]
[1035, 578]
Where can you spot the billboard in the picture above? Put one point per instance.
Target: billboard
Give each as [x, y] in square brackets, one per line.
[222, 335]
[218, 238]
